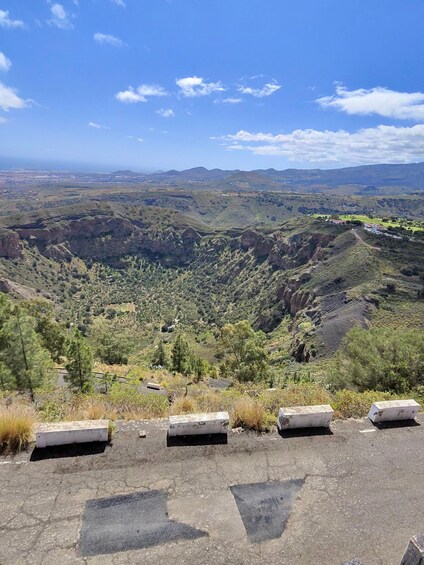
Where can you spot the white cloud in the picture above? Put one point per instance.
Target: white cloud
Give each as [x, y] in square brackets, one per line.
[166, 112]
[140, 94]
[232, 100]
[268, 89]
[5, 63]
[140, 139]
[381, 144]
[5, 21]
[120, 3]
[97, 126]
[9, 100]
[108, 39]
[2, 120]
[60, 17]
[378, 100]
[196, 86]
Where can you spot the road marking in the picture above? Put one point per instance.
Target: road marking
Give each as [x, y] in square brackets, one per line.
[366, 431]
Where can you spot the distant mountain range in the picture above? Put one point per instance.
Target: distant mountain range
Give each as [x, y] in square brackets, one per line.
[367, 178]
[363, 180]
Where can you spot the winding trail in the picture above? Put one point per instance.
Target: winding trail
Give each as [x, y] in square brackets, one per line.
[359, 238]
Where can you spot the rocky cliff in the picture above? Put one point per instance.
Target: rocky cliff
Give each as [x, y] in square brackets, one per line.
[10, 244]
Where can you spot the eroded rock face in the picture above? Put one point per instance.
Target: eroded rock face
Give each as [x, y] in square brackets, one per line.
[102, 238]
[10, 244]
[298, 250]
[260, 244]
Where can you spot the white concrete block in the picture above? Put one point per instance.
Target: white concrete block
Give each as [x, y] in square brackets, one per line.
[391, 410]
[305, 417]
[154, 386]
[65, 433]
[414, 554]
[197, 424]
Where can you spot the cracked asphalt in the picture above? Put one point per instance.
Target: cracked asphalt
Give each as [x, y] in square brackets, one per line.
[361, 496]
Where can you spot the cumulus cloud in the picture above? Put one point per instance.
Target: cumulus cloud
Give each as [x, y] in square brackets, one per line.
[7, 22]
[381, 144]
[9, 100]
[268, 89]
[5, 63]
[378, 100]
[166, 112]
[60, 17]
[104, 38]
[97, 126]
[196, 86]
[141, 94]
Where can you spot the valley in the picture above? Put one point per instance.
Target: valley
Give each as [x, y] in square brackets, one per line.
[197, 290]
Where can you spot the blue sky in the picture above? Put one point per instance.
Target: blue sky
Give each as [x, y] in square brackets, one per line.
[160, 84]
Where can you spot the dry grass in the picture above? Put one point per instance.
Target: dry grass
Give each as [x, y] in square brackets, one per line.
[302, 394]
[16, 427]
[248, 413]
[122, 404]
[184, 405]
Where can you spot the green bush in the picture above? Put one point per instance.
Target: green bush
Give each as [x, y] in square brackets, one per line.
[381, 359]
[352, 404]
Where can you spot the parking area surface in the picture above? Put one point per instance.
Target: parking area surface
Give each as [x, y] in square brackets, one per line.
[301, 499]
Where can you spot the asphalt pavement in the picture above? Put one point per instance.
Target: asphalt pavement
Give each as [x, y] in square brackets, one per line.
[355, 495]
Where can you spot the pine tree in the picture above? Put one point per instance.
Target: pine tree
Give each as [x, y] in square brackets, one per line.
[21, 351]
[7, 380]
[181, 358]
[80, 364]
[160, 358]
[51, 332]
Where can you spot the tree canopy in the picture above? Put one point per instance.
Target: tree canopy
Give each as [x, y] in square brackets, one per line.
[79, 364]
[243, 352]
[24, 363]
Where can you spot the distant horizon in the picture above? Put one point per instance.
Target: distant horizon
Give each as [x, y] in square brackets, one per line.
[74, 167]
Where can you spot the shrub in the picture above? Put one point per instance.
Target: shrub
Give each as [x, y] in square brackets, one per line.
[380, 359]
[110, 430]
[131, 404]
[352, 404]
[16, 427]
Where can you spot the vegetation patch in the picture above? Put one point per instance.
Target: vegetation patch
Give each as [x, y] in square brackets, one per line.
[16, 427]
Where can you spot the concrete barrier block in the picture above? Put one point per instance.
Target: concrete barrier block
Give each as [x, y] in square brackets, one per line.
[198, 424]
[65, 433]
[391, 410]
[305, 417]
[414, 554]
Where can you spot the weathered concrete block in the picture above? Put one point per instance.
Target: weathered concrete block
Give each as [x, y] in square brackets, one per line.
[154, 386]
[305, 417]
[65, 433]
[197, 424]
[414, 554]
[391, 410]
